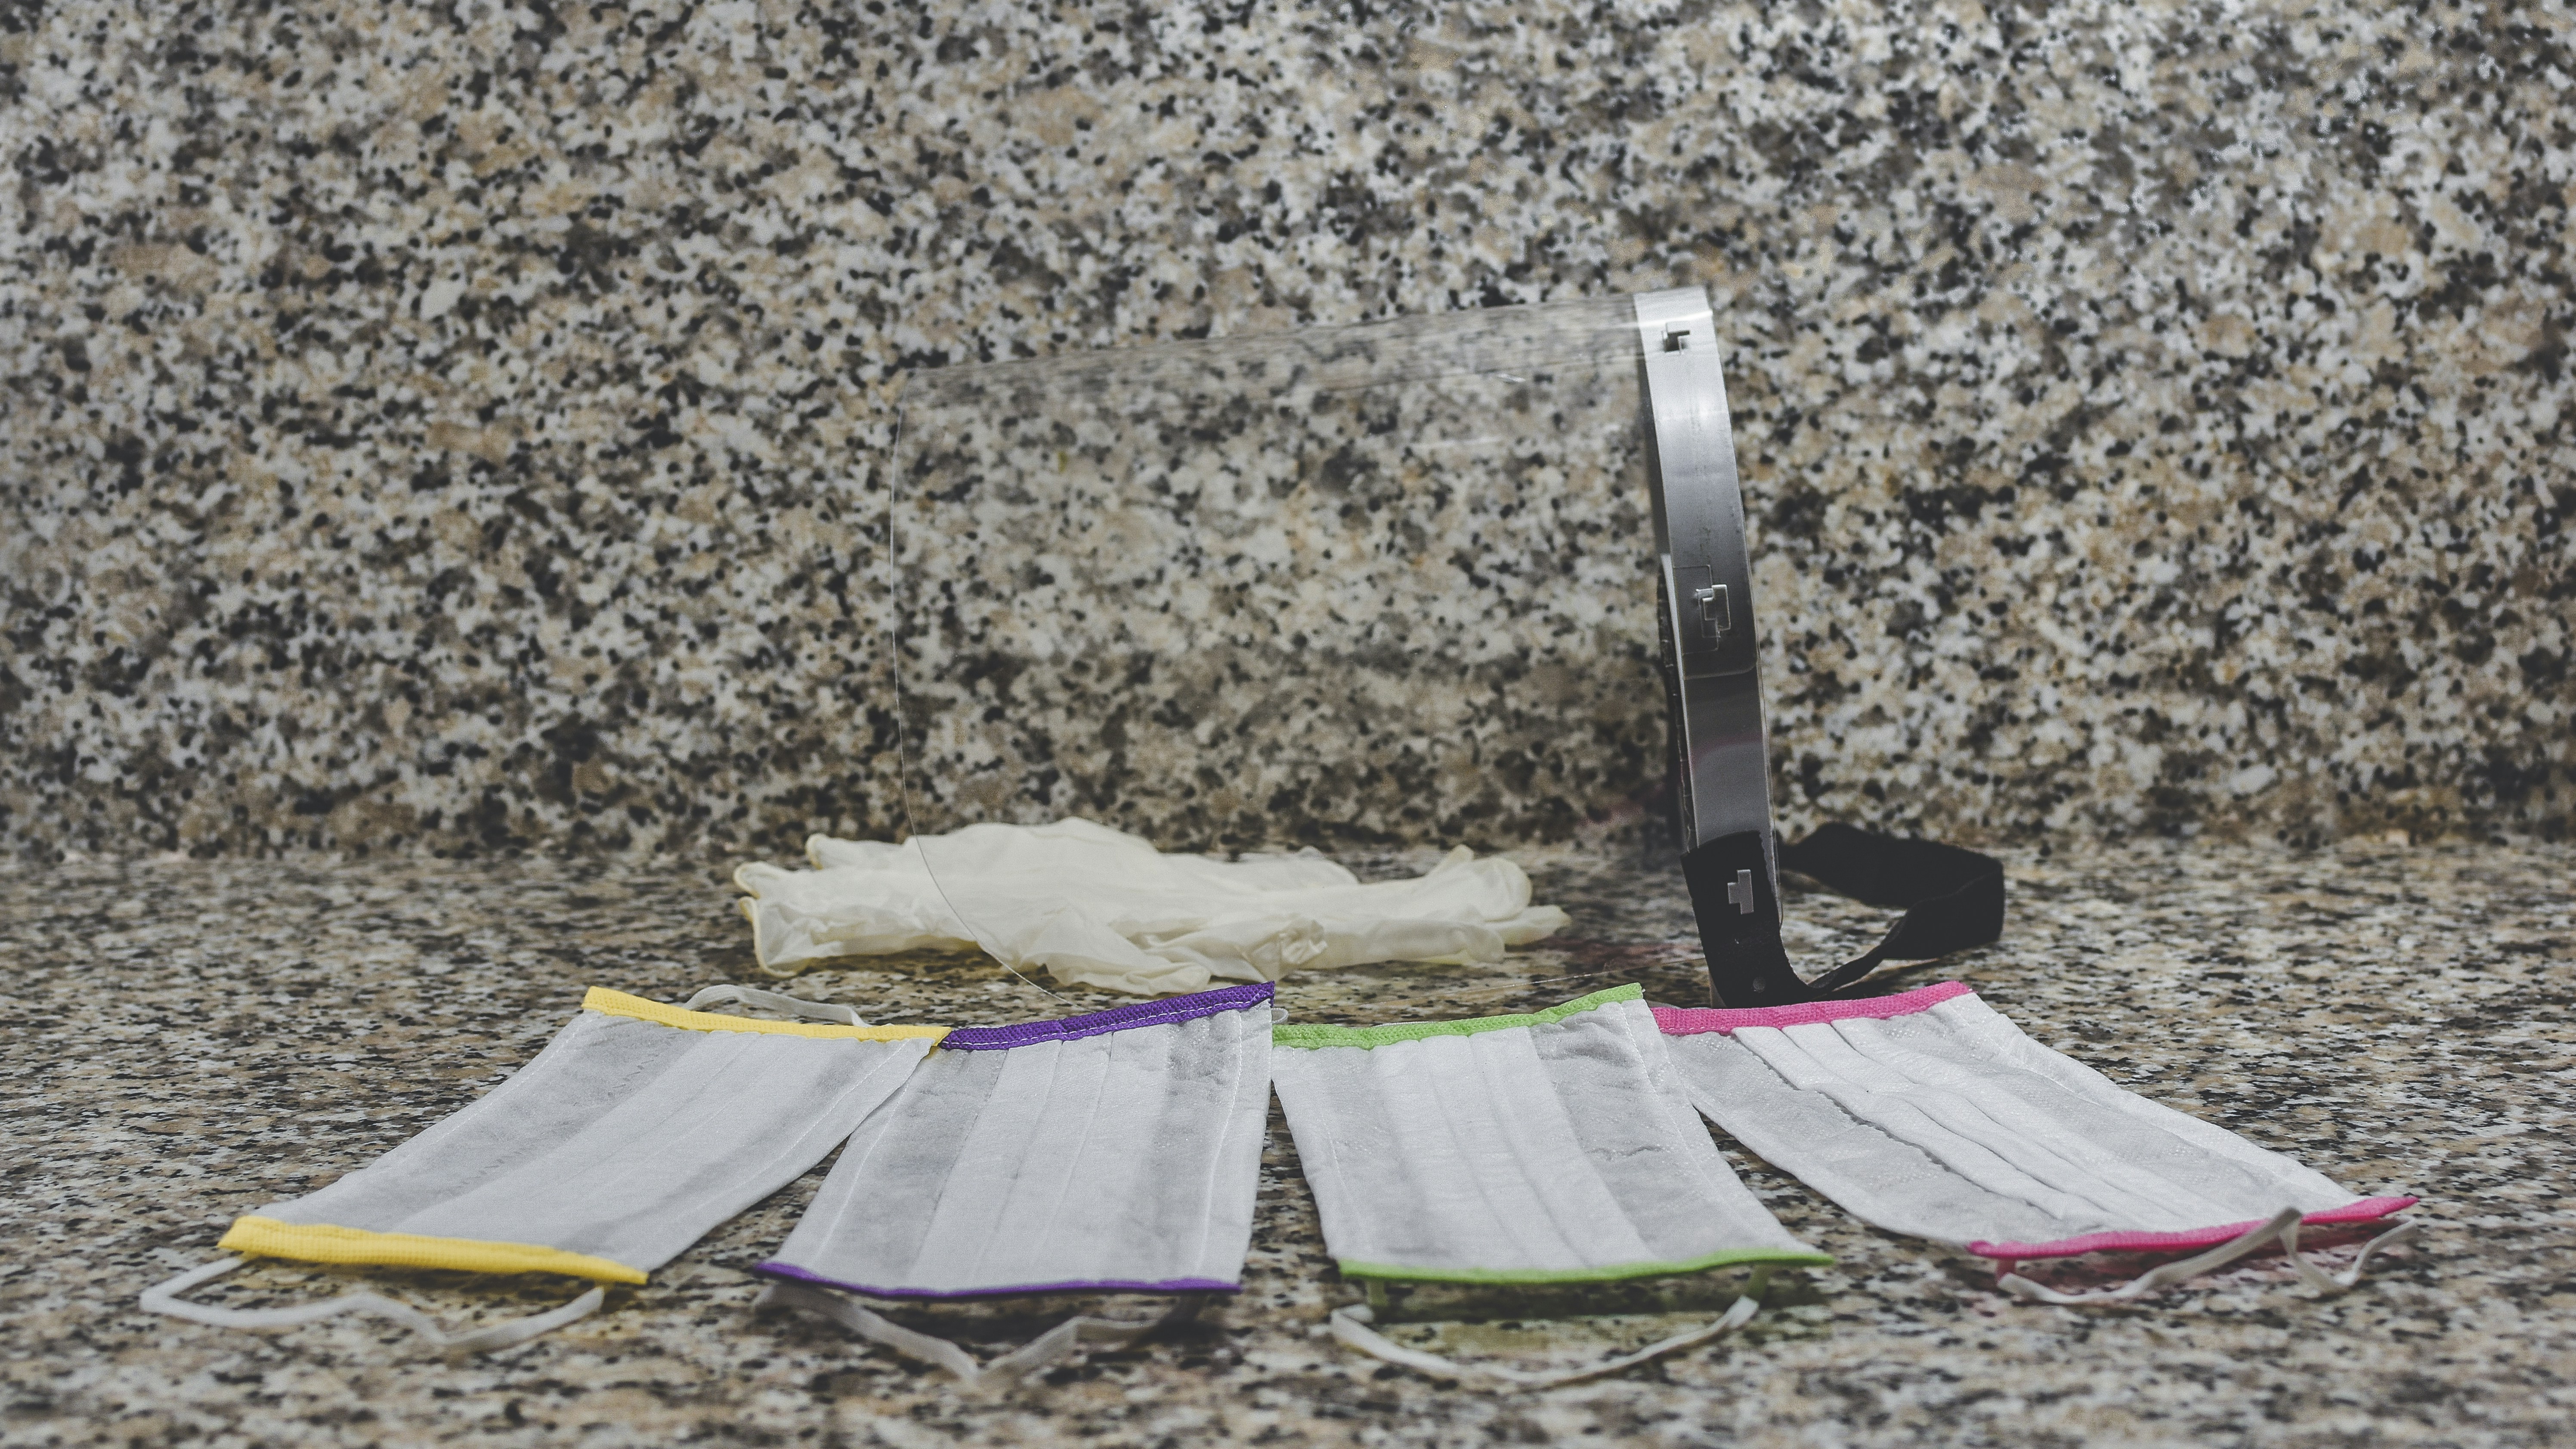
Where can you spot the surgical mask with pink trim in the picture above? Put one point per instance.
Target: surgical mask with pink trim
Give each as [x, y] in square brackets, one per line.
[1931, 1114]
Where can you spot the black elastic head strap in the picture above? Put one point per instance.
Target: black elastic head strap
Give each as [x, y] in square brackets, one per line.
[1953, 899]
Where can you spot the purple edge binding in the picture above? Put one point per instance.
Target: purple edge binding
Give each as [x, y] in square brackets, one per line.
[775, 1269]
[1100, 1023]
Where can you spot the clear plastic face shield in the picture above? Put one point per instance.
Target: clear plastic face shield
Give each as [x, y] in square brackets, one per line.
[1337, 590]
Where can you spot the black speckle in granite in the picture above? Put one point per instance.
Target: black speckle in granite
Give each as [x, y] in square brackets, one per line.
[459, 430]
[188, 1040]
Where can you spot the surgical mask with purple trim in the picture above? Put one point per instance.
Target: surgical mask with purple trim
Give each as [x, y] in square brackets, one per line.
[1931, 1114]
[1111, 1153]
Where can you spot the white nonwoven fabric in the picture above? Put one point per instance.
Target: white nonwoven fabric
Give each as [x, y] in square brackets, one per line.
[1097, 907]
[1555, 1147]
[1932, 1114]
[637, 1129]
[1115, 1152]
[625, 1139]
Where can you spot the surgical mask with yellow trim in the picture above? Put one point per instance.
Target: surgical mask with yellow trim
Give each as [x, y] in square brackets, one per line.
[637, 1130]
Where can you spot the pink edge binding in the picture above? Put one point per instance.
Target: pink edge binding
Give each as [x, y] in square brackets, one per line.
[1693, 1020]
[2369, 1209]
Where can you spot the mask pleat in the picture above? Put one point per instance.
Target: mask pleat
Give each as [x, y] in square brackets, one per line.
[2125, 1167]
[1054, 1123]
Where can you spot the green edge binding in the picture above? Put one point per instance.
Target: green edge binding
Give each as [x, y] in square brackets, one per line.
[1375, 1036]
[1774, 1257]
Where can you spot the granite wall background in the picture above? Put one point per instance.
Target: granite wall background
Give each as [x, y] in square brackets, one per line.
[458, 427]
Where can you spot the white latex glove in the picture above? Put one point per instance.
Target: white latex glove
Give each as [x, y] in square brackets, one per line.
[1098, 907]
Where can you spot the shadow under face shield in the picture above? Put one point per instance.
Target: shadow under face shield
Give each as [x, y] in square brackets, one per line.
[1343, 588]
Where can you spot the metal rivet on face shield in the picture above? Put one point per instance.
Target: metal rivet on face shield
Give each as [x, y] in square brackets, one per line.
[1714, 617]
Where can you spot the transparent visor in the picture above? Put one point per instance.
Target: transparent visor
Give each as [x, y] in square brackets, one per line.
[1270, 601]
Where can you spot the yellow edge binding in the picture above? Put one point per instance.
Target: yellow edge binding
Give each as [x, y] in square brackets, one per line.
[618, 1003]
[324, 1243]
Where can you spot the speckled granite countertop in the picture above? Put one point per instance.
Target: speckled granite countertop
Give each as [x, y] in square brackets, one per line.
[188, 1040]
[466, 427]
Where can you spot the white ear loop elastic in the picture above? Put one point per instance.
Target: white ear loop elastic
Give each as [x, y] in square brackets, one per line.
[775, 1001]
[1012, 1368]
[2283, 1226]
[163, 1298]
[2325, 1282]
[1349, 1323]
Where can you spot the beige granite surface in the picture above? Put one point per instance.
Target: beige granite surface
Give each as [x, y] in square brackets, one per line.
[463, 426]
[184, 1040]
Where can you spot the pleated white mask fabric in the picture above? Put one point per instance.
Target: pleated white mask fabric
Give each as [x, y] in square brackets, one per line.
[1554, 1147]
[640, 1127]
[1931, 1114]
[1117, 1152]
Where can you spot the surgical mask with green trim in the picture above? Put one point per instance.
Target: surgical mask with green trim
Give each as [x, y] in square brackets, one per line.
[1549, 1148]
[638, 1129]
